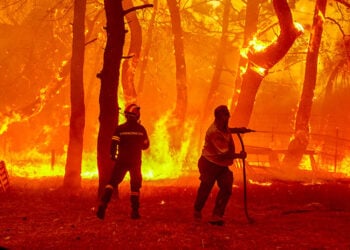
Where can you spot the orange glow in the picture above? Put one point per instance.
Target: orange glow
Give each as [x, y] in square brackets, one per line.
[159, 162]
[344, 166]
[266, 184]
[254, 46]
[321, 16]
[257, 69]
[8, 120]
[299, 27]
[34, 69]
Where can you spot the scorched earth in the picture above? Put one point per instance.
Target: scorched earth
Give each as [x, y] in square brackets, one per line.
[38, 214]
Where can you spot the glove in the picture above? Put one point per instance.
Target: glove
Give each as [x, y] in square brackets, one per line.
[242, 155]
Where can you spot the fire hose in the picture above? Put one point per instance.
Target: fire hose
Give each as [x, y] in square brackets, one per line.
[240, 131]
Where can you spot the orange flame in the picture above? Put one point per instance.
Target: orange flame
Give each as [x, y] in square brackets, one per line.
[254, 46]
[7, 120]
[159, 162]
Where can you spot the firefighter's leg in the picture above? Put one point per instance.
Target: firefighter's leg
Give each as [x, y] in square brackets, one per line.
[105, 198]
[117, 176]
[207, 179]
[225, 182]
[135, 204]
[135, 185]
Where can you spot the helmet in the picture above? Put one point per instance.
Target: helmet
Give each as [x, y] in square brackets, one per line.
[132, 111]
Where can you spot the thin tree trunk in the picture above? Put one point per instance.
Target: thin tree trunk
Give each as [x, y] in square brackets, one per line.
[207, 111]
[72, 178]
[220, 60]
[299, 143]
[147, 47]
[181, 77]
[251, 26]
[109, 77]
[129, 64]
[259, 62]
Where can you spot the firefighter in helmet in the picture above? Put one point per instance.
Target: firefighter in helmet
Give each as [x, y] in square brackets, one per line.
[128, 141]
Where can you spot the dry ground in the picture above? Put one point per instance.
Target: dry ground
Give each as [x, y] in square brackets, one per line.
[36, 214]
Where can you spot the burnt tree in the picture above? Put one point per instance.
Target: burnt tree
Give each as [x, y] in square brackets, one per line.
[259, 62]
[300, 140]
[219, 65]
[250, 28]
[177, 121]
[109, 77]
[108, 99]
[146, 49]
[212, 99]
[129, 64]
[72, 178]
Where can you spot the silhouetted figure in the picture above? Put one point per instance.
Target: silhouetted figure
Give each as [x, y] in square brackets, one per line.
[217, 155]
[128, 141]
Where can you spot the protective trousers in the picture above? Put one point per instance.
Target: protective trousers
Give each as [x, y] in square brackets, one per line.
[119, 171]
[209, 174]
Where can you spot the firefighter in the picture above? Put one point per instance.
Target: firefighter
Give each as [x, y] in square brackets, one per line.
[128, 141]
[217, 155]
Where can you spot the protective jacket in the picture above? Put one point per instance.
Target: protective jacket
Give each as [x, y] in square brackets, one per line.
[128, 141]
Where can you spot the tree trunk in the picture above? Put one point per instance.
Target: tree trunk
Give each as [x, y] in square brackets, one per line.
[179, 114]
[129, 64]
[72, 178]
[220, 59]
[299, 143]
[146, 49]
[109, 77]
[251, 26]
[259, 62]
[207, 111]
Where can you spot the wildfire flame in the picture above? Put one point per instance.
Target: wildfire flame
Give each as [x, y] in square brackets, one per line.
[255, 45]
[299, 27]
[159, 162]
[6, 120]
[13, 116]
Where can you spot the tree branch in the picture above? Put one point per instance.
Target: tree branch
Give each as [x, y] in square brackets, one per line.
[137, 8]
[272, 54]
[345, 3]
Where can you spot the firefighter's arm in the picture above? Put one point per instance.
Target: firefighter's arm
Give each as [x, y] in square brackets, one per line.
[242, 155]
[114, 147]
[145, 143]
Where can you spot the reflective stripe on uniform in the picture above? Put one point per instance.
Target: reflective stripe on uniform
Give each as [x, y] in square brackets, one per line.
[135, 193]
[109, 187]
[115, 138]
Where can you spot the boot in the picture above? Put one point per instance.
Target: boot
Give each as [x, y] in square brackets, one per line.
[135, 204]
[197, 215]
[216, 220]
[101, 211]
[135, 214]
[106, 197]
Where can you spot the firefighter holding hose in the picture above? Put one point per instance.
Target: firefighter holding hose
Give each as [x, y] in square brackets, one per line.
[217, 155]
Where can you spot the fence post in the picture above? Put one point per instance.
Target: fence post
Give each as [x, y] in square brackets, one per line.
[336, 149]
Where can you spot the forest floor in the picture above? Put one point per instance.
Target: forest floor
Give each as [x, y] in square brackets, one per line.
[37, 214]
